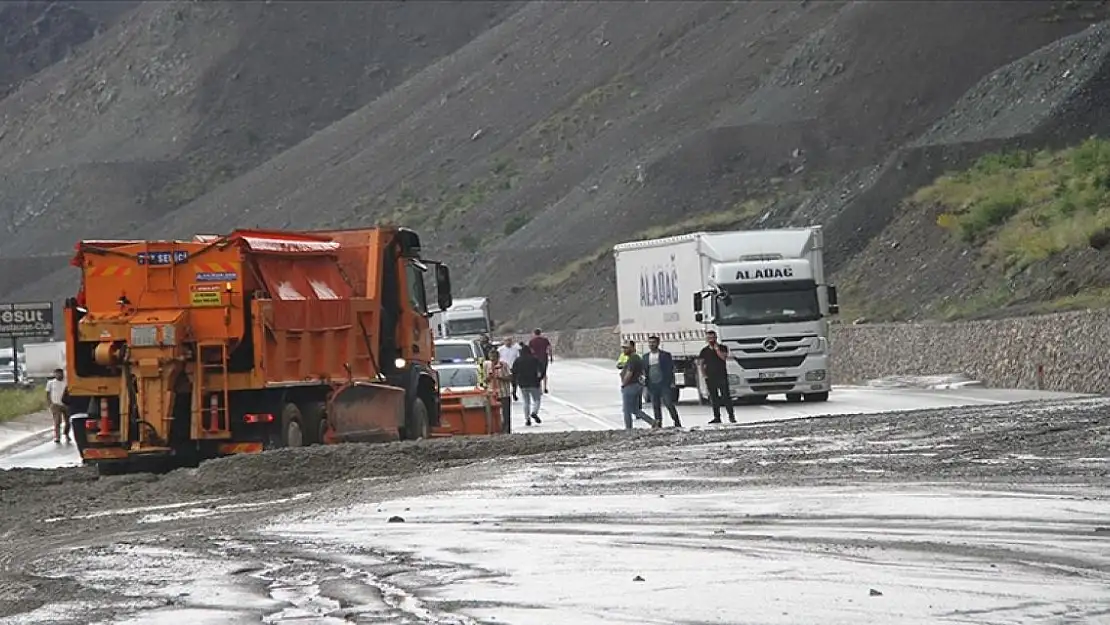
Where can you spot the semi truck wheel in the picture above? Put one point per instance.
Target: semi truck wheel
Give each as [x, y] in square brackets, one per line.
[292, 434]
[822, 396]
[416, 421]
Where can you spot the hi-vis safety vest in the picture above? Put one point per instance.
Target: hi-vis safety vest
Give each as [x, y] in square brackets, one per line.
[482, 372]
[623, 360]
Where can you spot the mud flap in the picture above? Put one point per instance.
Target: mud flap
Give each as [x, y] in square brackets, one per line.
[366, 413]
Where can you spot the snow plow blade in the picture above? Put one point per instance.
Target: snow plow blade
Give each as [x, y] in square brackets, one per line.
[366, 413]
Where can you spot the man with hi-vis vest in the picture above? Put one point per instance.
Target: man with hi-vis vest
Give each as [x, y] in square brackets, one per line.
[622, 360]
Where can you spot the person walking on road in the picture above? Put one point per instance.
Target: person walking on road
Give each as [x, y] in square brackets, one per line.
[541, 349]
[526, 370]
[623, 359]
[632, 390]
[713, 362]
[56, 397]
[659, 366]
[509, 351]
[500, 378]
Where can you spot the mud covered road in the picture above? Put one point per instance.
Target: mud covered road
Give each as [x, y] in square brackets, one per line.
[980, 514]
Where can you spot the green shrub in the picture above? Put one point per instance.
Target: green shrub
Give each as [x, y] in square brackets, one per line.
[1023, 206]
[18, 402]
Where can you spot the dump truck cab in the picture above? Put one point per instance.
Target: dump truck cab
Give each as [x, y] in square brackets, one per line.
[252, 340]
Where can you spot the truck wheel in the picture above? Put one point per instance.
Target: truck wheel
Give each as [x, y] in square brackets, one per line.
[793, 397]
[416, 422]
[108, 469]
[313, 421]
[292, 434]
[822, 396]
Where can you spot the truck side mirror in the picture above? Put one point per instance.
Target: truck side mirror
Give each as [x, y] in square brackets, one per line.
[697, 303]
[443, 287]
[834, 307]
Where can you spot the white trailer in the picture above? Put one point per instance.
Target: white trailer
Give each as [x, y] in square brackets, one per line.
[41, 359]
[768, 302]
[466, 318]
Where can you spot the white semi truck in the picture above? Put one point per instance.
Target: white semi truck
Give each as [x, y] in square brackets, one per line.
[41, 359]
[466, 318]
[762, 291]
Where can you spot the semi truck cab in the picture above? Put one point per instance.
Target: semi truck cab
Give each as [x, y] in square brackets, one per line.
[771, 310]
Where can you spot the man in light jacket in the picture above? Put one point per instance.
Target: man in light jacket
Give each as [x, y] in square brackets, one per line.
[659, 371]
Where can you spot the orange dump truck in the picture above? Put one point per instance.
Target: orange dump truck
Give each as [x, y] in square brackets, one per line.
[255, 340]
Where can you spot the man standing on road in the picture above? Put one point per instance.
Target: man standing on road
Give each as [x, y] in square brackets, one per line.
[541, 349]
[509, 351]
[660, 381]
[526, 370]
[56, 397]
[623, 359]
[713, 361]
[632, 391]
[500, 378]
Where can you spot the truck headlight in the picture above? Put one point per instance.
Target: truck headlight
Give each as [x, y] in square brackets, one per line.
[816, 375]
[819, 346]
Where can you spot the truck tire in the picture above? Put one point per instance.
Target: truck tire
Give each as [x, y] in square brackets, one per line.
[292, 430]
[108, 469]
[416, 421]
[313, 421]
[822, 396]
[793, 398]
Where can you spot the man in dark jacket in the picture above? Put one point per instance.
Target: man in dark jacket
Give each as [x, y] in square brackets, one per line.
[528, 375]
[713, 361]
[659, 371]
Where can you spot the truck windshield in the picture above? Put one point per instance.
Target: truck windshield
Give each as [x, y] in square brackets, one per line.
[777, 306]
[461, 327]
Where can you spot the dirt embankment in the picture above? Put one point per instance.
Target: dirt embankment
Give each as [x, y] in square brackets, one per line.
[962, 443]
[517, 163]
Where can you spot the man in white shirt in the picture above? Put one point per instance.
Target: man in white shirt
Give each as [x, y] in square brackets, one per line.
[56, 398]
[508, 352]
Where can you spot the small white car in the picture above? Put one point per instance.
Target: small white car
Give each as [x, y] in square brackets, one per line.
[458, 377]
[451, 351]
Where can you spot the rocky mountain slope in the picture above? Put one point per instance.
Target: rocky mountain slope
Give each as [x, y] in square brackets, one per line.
[526, 138]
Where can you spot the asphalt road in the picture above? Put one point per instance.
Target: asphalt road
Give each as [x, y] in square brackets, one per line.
[971, 509]
[585, 396]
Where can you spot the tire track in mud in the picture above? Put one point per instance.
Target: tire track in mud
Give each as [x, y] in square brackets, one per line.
[962, 444]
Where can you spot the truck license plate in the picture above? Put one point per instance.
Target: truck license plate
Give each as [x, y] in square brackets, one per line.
[763, 375]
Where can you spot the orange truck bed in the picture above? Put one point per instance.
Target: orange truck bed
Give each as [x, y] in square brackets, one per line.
[468, 413]
[256, 339]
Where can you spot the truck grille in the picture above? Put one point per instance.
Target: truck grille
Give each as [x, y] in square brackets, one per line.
[774, 362]
[772, 388]
[782, 344]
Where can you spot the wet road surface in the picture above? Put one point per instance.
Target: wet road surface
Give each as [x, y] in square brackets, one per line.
[971, 510]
